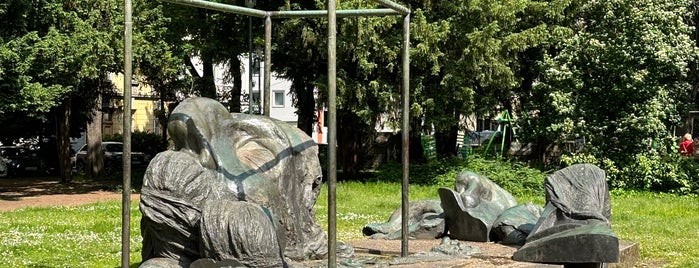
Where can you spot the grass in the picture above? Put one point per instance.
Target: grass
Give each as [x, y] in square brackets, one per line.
[665, 226]
[90, 236]
[80, 236]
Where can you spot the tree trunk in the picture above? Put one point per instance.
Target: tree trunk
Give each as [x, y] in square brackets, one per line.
[162, 119]
[305, 104]
[234, 69]
[349, 135]
[205, 84]
[417, 153]
[95, 160]
[63, 141]
[446, 141]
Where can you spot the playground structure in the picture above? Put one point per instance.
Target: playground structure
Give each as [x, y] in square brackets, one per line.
[504, 122]
[392, 9]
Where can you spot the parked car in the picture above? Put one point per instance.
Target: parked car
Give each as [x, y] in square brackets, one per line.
[113, 152]
[20, 161]
[3, 168]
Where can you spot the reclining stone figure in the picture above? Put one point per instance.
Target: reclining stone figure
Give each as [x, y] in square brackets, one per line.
[477, 210]
[472, 207]
[234, 187]
[426, 221]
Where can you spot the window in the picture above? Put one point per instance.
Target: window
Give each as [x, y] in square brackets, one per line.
[485, 124]
[278, 99]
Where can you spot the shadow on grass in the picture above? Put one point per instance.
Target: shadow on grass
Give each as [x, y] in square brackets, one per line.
[14, 189]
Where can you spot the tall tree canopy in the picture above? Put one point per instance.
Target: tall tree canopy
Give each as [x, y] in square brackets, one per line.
[53, 51]
[210, 37]
[620, 81]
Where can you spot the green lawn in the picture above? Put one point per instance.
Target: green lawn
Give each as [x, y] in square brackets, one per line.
[90, 236]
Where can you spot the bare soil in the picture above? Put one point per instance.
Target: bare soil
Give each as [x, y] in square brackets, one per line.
[16, 193]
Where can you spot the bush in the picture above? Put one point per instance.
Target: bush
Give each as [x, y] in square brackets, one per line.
[647, 171]
[515, 177]
[430, 173]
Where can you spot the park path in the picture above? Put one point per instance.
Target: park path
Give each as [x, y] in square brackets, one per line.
[16, 193]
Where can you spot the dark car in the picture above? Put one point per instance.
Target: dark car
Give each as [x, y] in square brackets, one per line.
[113, 152]
[3, 167]
[20, 161]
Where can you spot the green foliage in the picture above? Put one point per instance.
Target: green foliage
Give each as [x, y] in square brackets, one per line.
[647, 171]
[514, 177]
[614, 175]
[620, 82]
[467, 56]
[50, 48]
[160, 53]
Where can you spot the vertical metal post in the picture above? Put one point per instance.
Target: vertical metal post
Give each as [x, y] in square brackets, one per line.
[259, 80]
[126, 194]
[332, 134]
[268, 64]
[405, 186]
[250, 98]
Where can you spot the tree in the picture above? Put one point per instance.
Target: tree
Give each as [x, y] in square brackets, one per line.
[160, 57]
[483, 55]
[210, 37]
[51, 50]
[299, 57]
[620, 81]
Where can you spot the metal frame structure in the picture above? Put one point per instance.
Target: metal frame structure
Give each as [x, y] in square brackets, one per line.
[391, 9]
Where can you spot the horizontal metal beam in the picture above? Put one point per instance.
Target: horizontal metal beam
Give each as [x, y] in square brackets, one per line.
[221, 7]
[339, 13]
[392, 5]
[393, 10]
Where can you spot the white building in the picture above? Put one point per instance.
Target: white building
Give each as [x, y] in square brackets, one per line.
[280, 106]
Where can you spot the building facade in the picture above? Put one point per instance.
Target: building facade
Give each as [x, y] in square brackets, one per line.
[144, 104]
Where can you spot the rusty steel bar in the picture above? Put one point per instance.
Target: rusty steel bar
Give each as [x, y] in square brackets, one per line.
[392, 9]
[126, 156]
[267, 99]
[332, 134]
[339, 13]
[220, 7]
[405, 186]
[250, 96]
[392, 5]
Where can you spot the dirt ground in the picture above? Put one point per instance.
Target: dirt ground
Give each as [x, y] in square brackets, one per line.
[16, 193]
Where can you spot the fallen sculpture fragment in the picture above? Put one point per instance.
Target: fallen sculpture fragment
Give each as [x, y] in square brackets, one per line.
[476, 210]
[471, 209]
[514, 225]
[426, 222]
[574, 227]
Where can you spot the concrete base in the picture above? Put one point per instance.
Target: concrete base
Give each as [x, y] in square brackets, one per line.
[491, 255]
[629, 255]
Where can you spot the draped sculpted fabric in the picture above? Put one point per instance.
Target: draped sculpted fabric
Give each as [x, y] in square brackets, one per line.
[253, 178]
